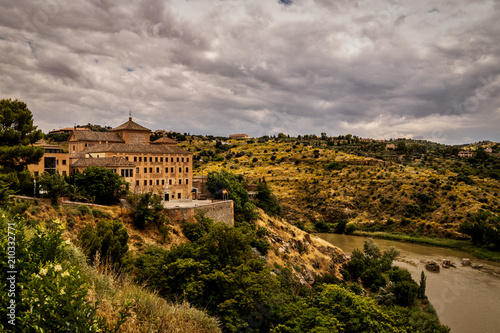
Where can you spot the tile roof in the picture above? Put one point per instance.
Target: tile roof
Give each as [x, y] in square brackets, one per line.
[164, 141]
[130, 125]
[103, 162]
[97, 136]
[136, 148]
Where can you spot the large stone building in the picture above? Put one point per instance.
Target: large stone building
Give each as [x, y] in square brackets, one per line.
[159, 167]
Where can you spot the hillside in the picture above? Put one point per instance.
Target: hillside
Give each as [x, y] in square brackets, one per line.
[419, 189]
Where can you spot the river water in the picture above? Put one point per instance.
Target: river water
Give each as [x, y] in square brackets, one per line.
[465, 299]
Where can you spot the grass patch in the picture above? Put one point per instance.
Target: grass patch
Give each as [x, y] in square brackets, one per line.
[462, 245]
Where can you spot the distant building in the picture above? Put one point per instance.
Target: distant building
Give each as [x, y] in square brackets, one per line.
[390, 146]
[239, 136]
[67, 130]
[488, 150]
[465, 154]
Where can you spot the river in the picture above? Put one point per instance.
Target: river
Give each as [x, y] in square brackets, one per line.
[465, 299]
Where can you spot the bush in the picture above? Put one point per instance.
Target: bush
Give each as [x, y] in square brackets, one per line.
[108, 239]
[100, 214]
[84, 210]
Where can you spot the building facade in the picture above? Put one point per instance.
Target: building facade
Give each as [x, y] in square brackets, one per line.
[55, 159]
[160, 167]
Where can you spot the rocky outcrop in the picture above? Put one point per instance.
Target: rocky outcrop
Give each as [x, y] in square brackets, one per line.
[307, 255]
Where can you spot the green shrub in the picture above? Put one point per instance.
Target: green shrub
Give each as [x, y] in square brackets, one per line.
[84, 210]
[108, 239]
[100, 214]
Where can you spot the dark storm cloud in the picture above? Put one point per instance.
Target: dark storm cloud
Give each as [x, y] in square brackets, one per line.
[385, 68]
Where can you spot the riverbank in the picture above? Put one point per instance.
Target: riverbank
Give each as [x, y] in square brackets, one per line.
[466, 246]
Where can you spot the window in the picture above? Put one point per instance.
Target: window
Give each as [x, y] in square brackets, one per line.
[163, 181]
[187, 159]
[171, 158]
[85, 145]
[180, 169]
[171, 169]
[161, 159]
[150, 170]
[127, 172]
[156, 159]
[166, 170]
[145, 182]
[157, 182]
[170, 182]
[73, 147]
[63, 162]
[136, 183]
[126, 157]
[182, 159]
[136, 170]
[178, 195]
[135, 158]
[157, 170]
[187, 181]
[180, 181]
[140, 158]
[150, 159]
[150, 182]
[177, 159]
[187, 169]
[145, 170]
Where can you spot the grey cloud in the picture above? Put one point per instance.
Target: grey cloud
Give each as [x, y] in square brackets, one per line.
[375, 68]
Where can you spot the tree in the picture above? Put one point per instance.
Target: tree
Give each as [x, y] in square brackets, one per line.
[100, 184]
[148, 209]
[421, 287]
[267, 200]
[17, 134]
[54, 185]
[244, 210]
[108, 238]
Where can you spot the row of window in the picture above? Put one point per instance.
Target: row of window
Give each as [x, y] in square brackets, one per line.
[137, 183]
[157, 159]
[158, 170]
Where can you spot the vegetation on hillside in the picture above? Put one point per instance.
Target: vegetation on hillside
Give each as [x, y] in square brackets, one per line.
[344, 184]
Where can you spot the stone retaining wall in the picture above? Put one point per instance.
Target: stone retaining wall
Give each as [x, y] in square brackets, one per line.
[218, 211]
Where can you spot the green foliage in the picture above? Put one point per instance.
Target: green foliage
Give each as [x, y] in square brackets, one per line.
[54, 185]
[334, 165]
[195, 231]
[244, 210]
[17, 134]
[483, 228]
[422, 286]
[336, 309]
[50, 293]
[108, 239]
[100, 184]
[266, 200]
[84, 210]
[148, 209]
[370, 264]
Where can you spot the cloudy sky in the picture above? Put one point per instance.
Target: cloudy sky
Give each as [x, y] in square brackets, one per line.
[374, 68]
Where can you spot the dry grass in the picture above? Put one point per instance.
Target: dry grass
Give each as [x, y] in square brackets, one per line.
[147, 311]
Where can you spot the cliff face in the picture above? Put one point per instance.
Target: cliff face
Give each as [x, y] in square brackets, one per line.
[308, 255]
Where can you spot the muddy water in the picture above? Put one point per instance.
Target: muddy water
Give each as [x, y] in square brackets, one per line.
[465, 299]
